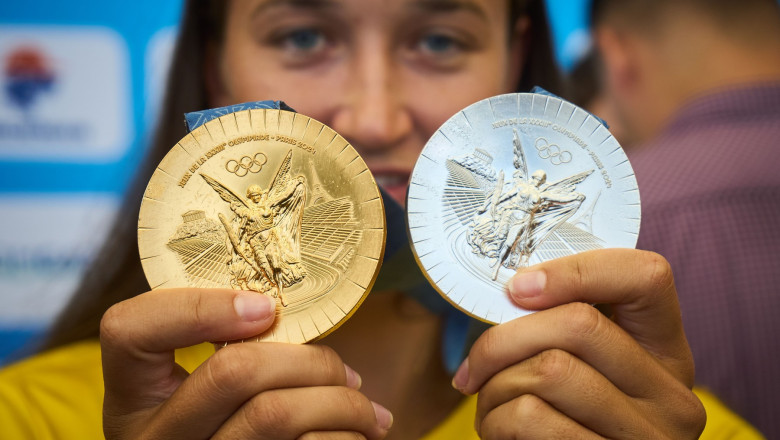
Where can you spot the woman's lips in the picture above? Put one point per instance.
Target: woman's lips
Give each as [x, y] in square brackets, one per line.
[394, 183]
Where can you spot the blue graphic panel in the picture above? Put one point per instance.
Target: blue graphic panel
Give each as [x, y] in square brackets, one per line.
[79, 83]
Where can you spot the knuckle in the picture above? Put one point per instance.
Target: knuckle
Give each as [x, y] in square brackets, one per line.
[354, 403]
[112, 325]
[225, 369]
[488, 343]
[554, 365]
[697, 419]
[199, 309]
[579, 273]
[681, 409]
[656, 269]
[328, 361]
[494, 427]
[583, 320]
[691, 414]
[527, 408]
[268, 414]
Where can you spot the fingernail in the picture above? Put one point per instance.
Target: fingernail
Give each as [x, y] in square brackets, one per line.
[253, 307]
[461, 378]
[353, 379]
[527, 284]
[383, 416]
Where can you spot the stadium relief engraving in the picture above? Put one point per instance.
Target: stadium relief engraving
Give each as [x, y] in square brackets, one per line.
[292, 240]
[507, 220]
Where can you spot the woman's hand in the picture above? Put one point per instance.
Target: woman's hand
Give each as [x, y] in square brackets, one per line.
[248, 391]
[569, 371]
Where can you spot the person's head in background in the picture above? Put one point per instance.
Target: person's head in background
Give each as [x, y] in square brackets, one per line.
[585, 87]
[384, 74]
[659, 54]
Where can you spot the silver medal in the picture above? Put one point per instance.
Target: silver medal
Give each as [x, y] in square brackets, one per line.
[512, 181]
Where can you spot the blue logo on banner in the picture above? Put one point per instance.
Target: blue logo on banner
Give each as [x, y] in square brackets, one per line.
[28, 74]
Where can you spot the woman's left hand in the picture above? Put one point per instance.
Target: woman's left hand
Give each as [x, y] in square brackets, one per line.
[569, 371]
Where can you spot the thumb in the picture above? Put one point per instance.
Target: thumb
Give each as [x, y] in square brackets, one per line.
[138, 336]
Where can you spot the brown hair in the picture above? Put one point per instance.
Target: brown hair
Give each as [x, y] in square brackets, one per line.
[116, 273]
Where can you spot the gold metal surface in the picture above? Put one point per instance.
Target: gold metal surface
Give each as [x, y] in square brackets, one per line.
[267, 201]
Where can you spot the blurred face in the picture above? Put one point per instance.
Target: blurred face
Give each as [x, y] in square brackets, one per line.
[385, 74]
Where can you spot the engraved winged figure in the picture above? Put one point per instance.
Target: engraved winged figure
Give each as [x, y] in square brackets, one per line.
[520, 214]
[265, 233]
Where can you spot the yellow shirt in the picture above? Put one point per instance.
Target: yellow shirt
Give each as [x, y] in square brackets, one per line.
[59, 395]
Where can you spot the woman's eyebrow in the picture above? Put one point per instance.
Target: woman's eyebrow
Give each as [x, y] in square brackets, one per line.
[448, 6]
[315, 5]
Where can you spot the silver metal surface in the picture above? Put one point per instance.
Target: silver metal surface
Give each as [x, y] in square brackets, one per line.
[512, 181]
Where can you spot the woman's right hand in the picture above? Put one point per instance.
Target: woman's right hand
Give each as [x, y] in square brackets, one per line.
[250, 391]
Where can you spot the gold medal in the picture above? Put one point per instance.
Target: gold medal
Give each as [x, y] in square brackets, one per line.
[269, 201]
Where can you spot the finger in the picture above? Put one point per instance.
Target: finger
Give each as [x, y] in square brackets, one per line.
[573, 388]
[290, 413]
[237, 373]
[529, 417]
[638, 284]
[332, 435]
[138, 337]
[576, 328]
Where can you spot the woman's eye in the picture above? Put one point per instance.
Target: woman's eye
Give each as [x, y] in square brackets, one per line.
[302, 40]
[441, 49]
[302, 46]
[439, 44]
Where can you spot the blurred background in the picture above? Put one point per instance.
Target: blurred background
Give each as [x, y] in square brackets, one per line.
[80, 83]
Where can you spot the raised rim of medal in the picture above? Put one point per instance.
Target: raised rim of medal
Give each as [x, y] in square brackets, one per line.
[305, 131]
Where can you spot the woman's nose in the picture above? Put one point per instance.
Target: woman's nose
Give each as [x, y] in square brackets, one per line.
[374, 114]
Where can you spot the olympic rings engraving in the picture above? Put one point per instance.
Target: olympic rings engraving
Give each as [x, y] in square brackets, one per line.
[553, 152]
[246, 165]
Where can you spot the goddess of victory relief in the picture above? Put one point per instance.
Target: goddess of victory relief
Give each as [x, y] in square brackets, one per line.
[518, 216]
[265, 233]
